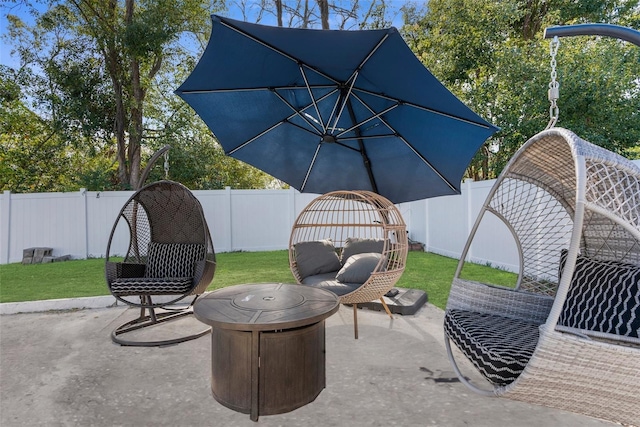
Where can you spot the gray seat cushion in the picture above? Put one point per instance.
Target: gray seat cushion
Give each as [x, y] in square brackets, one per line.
[328, 282]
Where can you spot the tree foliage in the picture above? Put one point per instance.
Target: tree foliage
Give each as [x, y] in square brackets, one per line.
[92, 97]
[492, 55]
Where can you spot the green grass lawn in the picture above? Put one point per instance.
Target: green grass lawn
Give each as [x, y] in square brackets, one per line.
[82, 278]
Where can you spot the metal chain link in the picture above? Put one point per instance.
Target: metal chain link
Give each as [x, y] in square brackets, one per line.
[554, 86]
[166, 165]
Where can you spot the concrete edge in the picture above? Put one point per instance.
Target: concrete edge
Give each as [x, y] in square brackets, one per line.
[105, 301]
[59, 304]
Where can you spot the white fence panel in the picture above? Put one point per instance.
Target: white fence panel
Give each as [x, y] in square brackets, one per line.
[79, 223]
[54, 220]
[447, 225]
[102, 210]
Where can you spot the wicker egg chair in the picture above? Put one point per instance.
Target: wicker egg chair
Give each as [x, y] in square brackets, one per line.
[170, 257]
[353, 243]
[567, 336]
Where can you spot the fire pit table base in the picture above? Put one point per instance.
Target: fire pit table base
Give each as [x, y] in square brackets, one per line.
[267, 345]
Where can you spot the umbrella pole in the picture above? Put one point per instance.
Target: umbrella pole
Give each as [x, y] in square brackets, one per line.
[363, 151]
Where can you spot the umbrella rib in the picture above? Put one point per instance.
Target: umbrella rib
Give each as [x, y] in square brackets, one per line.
[428, 163]
[313, 100]
[253, 89]
[364, 61]
[354, 77]
[344, 101]
[420, 156]
[244, 144]
[430, 110]
[306, 177]
[375, 116]
[295, 111]
[275, 49]
[353, 138]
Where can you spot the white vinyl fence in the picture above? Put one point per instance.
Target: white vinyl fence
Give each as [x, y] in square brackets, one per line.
[79, 223]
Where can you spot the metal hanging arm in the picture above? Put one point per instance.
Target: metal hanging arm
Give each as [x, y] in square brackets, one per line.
[623, 33]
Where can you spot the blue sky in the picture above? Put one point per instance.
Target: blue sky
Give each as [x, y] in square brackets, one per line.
[19, 9]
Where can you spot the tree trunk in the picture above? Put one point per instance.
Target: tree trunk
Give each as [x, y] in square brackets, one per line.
[324, 13]
[279, 12]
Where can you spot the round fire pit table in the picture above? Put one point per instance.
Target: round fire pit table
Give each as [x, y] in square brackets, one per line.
[267, 345]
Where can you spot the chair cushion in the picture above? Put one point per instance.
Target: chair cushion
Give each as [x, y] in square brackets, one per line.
[499, 347]
[358, 267]
[328, 282]
[173, 259]
[604, 296]
[358, 245]
[316, 257]
[151, 286]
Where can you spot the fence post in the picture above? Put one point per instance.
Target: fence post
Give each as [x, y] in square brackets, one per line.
[292, 207]
[5, 227]
[229, 218]
[85, 219]
[468, 182]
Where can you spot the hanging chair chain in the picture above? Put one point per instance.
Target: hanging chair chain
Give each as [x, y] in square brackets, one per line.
[554, 86]
[166, 164]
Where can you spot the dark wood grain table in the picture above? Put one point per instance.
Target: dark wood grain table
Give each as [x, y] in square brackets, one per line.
[267, 345]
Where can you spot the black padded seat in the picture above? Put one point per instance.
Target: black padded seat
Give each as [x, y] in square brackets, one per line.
[499, 347]
[151, 286]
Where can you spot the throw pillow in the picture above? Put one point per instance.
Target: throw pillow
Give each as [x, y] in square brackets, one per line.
[358, 268]
[316, 257]
[358, 245]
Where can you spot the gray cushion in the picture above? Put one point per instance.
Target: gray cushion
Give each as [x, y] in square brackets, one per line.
[358, 267]
[316, 257]
[328, 282]
[358, 245]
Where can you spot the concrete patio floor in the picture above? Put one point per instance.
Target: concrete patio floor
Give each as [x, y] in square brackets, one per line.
[60, 368]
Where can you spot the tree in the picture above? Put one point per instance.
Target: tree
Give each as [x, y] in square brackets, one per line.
[493, 57]
[134, 39]
[32, 157]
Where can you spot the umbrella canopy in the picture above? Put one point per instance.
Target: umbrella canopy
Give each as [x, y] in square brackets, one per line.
[326, 110]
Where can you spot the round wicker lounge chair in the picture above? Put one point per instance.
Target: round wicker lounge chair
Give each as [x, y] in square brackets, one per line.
[567, 336]
[353, 243]
[170, 257]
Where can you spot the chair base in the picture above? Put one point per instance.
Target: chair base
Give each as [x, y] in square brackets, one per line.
[153, 319]
[355, 316]
[406, 302]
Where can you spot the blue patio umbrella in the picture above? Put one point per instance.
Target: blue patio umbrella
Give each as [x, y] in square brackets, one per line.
[326, 110]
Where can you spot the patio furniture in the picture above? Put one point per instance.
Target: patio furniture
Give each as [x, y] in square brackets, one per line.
[567, 335]
[170, 257]
[267, 345]
[352, 243]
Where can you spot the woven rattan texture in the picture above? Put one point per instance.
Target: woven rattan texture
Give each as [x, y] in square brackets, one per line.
[342, 214]
[167, 216]
[558, 193]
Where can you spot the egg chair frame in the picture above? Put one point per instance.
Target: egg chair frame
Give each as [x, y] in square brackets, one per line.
[567, 335]
[348, 230]
[170, 257]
